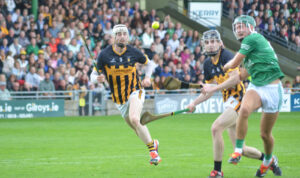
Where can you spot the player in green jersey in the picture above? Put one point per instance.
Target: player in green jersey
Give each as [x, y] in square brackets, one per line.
[265, 89]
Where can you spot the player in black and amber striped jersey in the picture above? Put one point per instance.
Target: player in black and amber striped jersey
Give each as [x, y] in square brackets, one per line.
[117, 63]
[232, 89]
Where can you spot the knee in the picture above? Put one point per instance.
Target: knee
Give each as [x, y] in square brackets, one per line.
[265, 135]
[135, 121]
[244, 112]
[216, 129]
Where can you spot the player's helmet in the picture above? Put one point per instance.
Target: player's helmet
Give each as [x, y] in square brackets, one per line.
[120, 28]
[237, 28]
[211, 42]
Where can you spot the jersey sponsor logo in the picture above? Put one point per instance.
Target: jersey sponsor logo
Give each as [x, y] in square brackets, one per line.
[245, 47]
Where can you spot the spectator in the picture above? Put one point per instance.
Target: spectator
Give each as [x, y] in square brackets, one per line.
[56, 80]
[165, 72]
[174, 42]
[15, 48]
[178, 29]
[287, 87]
[11, 79]
[8, 64]
[4, 46]
[23, 40]
[10, 37]
[73, 46]
[296, 85]
[185, 55]
[32, 48]
[47, 85]
[147, 38]
[158, 47]
[4, 93]
[32, 80]
[23, 61]
[17, 71]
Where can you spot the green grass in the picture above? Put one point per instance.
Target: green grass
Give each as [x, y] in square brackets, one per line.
[106, 147]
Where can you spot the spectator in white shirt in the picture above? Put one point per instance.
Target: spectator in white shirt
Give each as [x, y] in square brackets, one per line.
[147, 38]
[32, 80]
[174, 42]
[15, 47]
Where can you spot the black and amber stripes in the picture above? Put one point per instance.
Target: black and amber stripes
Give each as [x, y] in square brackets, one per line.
[122, 81]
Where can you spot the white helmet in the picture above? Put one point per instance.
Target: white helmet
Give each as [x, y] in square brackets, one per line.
[120, 28]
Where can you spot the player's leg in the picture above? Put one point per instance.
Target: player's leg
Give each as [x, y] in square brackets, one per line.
[271, 104]
[248, 151]
[225, 120]
[251, 101]
[135, 108]
[270, 161]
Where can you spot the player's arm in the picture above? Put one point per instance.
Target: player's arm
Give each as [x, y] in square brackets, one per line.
[149, 68]
[201, 98]
[94, 75]
[235, 62]
[97, 75]
[234, 79]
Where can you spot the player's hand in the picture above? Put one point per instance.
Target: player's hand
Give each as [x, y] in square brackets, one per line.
[146, 82]
[101, 78]
[191, 107]
[208, 89]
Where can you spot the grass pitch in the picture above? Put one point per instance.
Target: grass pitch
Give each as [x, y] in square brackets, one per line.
[107, 147]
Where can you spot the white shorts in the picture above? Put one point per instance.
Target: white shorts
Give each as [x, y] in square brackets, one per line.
[270, 95]
[233, 103]
[124, 108]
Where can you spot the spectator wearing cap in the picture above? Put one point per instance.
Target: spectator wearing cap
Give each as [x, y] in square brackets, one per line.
[32, 48]
[23, 60]
[4, 93]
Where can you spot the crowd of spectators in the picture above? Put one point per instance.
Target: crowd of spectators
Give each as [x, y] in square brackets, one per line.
[273, 17]
[47, 53]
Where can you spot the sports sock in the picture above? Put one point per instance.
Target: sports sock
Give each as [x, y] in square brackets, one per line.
[218, 165]
[151, 146]
[267, 159]
[262, 156]
[239, 146]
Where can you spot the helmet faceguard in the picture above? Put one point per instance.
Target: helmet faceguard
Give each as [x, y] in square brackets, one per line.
[211, 42]
[243, 26]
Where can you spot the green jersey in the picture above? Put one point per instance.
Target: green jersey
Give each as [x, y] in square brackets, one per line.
[261, 61]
